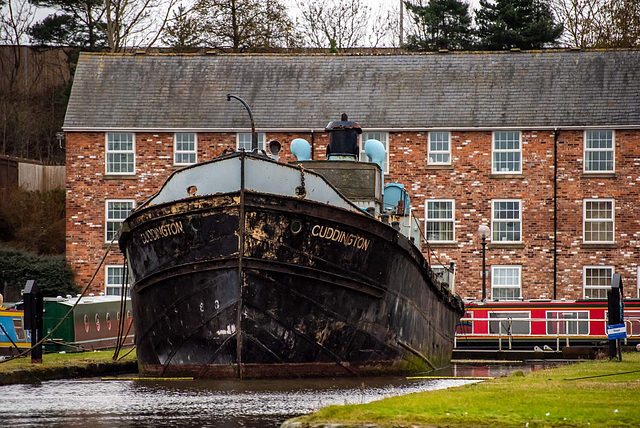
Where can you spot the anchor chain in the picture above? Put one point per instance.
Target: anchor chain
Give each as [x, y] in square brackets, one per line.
[301, 191]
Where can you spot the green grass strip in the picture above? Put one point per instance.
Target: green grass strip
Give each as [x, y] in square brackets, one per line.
[591, 393]
[56, 360]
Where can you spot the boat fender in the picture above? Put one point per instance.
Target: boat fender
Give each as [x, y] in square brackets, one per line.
[301, 149]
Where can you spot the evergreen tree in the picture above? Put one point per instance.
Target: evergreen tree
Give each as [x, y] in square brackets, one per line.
[76, 23]
[524, 24]
[183, 33]
[441, 24]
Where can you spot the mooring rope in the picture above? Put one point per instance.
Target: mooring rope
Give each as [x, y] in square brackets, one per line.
[41, 341]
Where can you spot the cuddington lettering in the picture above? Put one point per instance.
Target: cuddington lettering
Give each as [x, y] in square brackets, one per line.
[337, 235]
[163, 231]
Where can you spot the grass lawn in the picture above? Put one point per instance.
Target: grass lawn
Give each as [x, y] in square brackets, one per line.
[55, 360]
[547, 398]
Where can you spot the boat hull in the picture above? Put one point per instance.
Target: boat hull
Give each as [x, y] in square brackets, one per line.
[256, 285]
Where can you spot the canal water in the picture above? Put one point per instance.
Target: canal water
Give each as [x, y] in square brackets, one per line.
[99, 403]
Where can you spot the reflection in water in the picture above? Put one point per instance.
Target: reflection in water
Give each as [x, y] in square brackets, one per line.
[253, 403]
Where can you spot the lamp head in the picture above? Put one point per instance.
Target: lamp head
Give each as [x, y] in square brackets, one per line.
[483, 231]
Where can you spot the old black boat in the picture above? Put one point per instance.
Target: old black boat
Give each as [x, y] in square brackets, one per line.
[245, 266]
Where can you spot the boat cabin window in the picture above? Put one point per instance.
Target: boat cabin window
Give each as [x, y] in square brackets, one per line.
[19, 328]
[633, 322]
[517, 327]
[561, 324]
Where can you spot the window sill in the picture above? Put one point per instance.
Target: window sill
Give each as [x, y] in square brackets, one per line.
[443, 244]
[599, 175]
[597, 245]
[106, 245]
[494, 175]
[436, 167]
[506, 245]
[119, 177]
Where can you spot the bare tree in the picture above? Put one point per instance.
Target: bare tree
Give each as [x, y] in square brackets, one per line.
[599, 23]
[247, 25]
[135, 23]
[335, 24]
[15, 21]
[582, 20]
[383, 28]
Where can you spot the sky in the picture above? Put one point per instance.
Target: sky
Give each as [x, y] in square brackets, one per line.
[42, 13]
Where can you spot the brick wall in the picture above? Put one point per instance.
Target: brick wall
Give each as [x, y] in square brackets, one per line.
[468, 181]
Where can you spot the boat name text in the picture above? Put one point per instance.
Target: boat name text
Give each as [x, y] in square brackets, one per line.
[337, 235]
[163, 231]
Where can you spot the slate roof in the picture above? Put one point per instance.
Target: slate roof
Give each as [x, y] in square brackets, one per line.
[453, 90]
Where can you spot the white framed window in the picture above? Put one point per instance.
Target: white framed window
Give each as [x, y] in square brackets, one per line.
[506, 318]
[185, 148]
[114, 278]
[383, 137]
[439, 150]
[597, 280]
[120, 153]
[506, 220]
[598, 220]
[506, 282]
[243, 141]
[440, 220]
[115, 212]
[568, 323]
[599, 151]
[506, 152]
[444, 275]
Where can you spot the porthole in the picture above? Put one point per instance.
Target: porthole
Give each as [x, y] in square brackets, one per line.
[97, 322]
[296, 227]
[129, 317]
[108, 320]
[86, 323]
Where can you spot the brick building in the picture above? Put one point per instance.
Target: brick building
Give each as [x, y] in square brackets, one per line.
[543, 147]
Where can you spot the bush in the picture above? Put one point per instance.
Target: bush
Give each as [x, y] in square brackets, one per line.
[33, 221]
[53, 276]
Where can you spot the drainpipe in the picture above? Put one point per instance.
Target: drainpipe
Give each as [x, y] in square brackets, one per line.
[556, 133]
[312, 146]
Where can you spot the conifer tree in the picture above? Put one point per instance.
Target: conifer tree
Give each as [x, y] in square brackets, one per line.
[523, 24]
[441, 24]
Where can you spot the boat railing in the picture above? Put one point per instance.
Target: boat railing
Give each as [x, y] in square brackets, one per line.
[565, 329]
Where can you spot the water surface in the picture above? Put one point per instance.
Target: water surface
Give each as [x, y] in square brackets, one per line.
[229, 404]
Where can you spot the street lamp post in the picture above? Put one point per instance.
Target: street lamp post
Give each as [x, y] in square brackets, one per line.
[483, 233]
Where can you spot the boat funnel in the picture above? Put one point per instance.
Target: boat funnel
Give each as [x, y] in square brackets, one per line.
[301, 149]
[343, 139]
